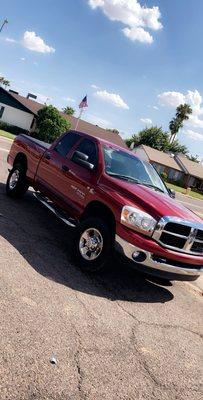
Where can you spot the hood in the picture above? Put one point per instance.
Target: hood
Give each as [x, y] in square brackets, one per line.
[149, 200]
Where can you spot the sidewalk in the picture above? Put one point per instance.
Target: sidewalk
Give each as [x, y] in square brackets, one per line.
[197, 285]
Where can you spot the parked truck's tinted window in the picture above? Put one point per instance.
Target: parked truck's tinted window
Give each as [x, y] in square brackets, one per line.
[89, 148]
[66, 143]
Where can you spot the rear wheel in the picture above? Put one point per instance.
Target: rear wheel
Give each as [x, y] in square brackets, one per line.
[16, 185]
[93, 245]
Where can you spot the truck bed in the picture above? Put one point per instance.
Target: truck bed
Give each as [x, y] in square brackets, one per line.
[39, 142]
[32, 148]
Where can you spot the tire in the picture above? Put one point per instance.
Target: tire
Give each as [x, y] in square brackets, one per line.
[97, 253]
[16, 185]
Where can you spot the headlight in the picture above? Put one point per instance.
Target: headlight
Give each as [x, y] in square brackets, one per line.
[138, 220]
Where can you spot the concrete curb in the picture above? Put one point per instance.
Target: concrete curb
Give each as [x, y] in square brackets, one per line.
[194, 288]
[189, 197]
[5, 138]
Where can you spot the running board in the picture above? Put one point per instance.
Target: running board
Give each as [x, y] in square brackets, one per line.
[59, 213]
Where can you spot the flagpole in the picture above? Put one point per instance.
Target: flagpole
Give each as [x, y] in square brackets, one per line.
[81, 111]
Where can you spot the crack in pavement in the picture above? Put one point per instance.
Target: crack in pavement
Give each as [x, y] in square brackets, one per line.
[155, 324]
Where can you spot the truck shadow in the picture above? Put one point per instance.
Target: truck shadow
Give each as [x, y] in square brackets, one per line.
[45, 243]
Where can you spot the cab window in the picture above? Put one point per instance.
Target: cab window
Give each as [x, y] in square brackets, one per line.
[66, 143]
[89, 148]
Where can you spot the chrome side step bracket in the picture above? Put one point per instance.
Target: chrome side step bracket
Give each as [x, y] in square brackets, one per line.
[59, 213]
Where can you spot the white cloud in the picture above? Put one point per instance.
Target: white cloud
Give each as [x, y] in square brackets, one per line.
[22, 58]
[134, 16]
[171, 99]
[174, 99]
[193, 135]
[10, 40]
[111, 98]
[35, 63]
[195, 121]
[35, 43]
[147, 121]
[155, 107]
[95, 87]
[94, 119]
[41, 98]
[69, 99]
[138, 34]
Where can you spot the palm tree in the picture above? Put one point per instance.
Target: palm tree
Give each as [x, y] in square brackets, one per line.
[68, 110]
[182, 114]
[4, 82]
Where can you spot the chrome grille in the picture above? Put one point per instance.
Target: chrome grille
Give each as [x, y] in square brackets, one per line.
[177, 234]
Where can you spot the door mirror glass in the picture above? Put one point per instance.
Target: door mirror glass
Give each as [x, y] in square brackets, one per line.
[82, 159]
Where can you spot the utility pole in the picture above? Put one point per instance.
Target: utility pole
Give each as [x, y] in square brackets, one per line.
[4, 23]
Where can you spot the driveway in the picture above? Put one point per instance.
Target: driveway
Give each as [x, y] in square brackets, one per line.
[117, 336]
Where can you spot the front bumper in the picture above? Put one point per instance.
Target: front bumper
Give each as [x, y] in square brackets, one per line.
[153, 264]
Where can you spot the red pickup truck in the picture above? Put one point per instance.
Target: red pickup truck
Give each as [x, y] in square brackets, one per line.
[113, 199]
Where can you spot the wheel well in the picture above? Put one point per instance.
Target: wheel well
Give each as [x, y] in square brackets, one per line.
[21, 159]
[98, 209]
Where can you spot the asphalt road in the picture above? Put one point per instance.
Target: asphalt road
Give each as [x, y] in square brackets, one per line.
[115, 336]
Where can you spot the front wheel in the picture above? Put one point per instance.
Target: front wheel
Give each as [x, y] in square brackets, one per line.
[93, 245]
[16, 185]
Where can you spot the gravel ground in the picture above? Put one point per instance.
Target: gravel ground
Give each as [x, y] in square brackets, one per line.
[115, 336]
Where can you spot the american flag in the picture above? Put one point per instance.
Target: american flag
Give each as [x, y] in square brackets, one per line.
[83, 103]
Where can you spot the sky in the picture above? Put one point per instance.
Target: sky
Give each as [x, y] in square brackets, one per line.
[136, 60]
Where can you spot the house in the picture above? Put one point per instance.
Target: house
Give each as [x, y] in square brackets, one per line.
[177, 167]
[22, 112]
[193, 172]
[163, 162]
[14, 110]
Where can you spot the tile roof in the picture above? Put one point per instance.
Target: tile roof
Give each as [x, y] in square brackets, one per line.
[190, 167]
[31, 105]
[83, 126]
[161, 158]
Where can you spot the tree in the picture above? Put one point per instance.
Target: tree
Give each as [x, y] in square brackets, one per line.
[156, 138]
[176, 147]
[4, 82]
[114, 131]
[68, 110]
[50, 124]
[193, 158]
[182, 114]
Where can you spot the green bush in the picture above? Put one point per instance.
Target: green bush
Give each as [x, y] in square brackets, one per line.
[164, 176]
[50, 124]
[12, 128]
[179, 182]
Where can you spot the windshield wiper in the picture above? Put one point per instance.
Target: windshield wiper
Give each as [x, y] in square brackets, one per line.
[152, 186]
[125, 177]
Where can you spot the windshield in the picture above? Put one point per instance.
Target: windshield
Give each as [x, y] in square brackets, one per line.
[122, 165]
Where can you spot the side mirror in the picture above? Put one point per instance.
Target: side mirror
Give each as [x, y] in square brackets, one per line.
[172, 193]
[82, 159]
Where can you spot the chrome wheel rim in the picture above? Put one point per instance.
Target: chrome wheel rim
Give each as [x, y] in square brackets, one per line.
[91, 244]
[14, 179]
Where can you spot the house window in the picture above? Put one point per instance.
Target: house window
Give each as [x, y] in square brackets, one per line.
[1, 111]
[32, 123]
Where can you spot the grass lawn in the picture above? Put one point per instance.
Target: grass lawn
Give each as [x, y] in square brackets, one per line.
[7, 134]
[182, 190]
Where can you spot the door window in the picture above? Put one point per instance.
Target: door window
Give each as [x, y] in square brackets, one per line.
[66, 143]
[89, 148]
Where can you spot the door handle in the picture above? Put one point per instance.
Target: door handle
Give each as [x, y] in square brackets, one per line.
[65, 168]
[47, 156]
